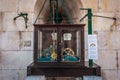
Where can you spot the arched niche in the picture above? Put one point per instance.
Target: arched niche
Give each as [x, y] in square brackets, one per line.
[72, 7]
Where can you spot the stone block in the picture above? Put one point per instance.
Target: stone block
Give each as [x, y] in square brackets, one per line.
[87, 4]
[8, 75]
[22, 74]
[109, 5]
[16, 59]
[104, 24]
[118, 5]
[35, 78]
[117, 15]
[27, 40]
[118, 62]
[78, 78]
[0, 5]
[10, 41]
[12, 74]
[107, 59]
[9, 24]
[110, 75]
[117, 25]
[0, 21]
[16, 40]
[27, 5]
[9, 5]
[108, 40]
[0, 39]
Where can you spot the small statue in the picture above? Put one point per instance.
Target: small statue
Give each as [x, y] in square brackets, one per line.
[68, 55]
[54, 56]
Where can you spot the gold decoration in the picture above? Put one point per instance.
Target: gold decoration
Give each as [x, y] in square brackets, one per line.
[54, 55]
[68, 51]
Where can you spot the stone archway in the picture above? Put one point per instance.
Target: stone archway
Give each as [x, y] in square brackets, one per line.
[73, 9]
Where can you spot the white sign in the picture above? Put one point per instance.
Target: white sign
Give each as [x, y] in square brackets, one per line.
[54, 36]
[92, 47]
[67, 36]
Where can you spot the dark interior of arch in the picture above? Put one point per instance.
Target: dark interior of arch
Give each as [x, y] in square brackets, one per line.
[67, 11]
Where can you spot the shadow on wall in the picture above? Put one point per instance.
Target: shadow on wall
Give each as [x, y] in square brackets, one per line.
[67, 10]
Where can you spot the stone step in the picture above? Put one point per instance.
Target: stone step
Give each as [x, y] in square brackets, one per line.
[92, 78]
[84, 78]
[35, 78]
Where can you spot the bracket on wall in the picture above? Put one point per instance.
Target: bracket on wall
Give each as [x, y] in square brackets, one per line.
[24, 15]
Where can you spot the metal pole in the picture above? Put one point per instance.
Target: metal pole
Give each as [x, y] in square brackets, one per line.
[56, 11]
[90, 31]
[89, 14]
[51, 12]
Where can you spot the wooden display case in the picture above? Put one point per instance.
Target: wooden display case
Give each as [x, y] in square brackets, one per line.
[59, 52]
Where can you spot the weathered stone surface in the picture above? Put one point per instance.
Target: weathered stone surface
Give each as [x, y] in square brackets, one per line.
[107, 59]
[36, 78]
[16, 40]
[10, 41]
[108, 40]
[7, 74]
[27, 40]
[1, 21]
[9, 5]
[9, 24]
[27, 5]
[109, 5]
[87, 4]
[16, 59]
[0, 5]
[104, 24]
[110, 75]
[22, 74]
[117, 14]
[118, 62]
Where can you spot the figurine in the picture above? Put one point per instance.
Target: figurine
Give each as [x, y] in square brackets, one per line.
[48, 54]
[54, 56]
[68, 55]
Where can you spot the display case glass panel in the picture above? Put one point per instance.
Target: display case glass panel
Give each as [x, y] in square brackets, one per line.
[47, 38]
[70, 39]
[59, 43]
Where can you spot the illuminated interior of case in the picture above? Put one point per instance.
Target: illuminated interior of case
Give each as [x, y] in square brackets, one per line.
[47, 45]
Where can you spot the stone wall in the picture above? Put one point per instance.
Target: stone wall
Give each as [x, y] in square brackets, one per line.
[15, 55]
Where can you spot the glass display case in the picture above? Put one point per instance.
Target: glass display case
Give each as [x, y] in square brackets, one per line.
[59, 43]
[59, 51]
